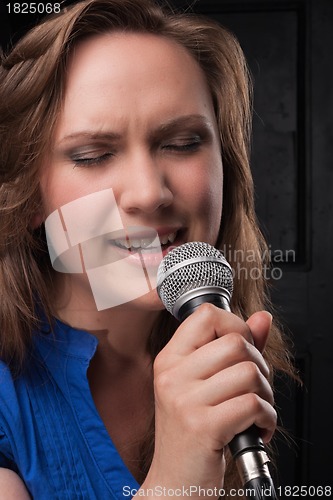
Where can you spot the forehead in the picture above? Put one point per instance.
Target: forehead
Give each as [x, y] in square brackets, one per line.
[131, 84]
[133, 52]
[138, 70]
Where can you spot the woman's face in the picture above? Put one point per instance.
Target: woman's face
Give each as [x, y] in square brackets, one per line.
[138, 120]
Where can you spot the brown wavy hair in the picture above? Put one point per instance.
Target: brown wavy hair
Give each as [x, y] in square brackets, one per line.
[32, 79]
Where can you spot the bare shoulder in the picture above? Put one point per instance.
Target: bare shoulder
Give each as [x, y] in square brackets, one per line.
[12, 486]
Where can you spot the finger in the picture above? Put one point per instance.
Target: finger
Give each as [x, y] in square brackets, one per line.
[260, 324]
[222, 353]
[206, 324]
[238, 414]
[233, 382]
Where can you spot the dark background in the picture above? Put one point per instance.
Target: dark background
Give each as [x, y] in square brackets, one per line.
[289, 47]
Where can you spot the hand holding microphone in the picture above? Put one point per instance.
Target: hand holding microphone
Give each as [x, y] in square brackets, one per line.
[191, 275]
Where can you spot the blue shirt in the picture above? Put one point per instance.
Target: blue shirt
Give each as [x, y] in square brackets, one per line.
[50, 430]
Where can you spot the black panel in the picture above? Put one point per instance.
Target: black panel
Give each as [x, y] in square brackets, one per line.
[273, 37]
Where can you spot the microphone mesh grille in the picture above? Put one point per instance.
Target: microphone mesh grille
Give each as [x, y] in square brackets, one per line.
[177, 276]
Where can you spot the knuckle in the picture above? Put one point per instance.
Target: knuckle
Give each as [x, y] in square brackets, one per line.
[159, 363]
[207, 309]
[254, 403]
[252, 372]
[180, 406]
[163, 382]
[274, 416]
[238, 344]
[266, 369]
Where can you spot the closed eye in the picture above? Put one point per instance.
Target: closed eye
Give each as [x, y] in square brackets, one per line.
[90, 160]
[186, 145]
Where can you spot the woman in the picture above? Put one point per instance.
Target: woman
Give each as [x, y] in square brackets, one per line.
[117, 106]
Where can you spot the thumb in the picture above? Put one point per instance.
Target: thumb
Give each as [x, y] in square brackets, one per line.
[260, 324]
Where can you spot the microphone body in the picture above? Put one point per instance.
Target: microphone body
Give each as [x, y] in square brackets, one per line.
[190, 275]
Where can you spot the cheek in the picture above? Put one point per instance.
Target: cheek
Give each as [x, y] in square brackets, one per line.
[203, 190]
[61, 186]
[55, 190]
[205, 197]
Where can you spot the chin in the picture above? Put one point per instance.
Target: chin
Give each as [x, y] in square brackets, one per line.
[149, 301]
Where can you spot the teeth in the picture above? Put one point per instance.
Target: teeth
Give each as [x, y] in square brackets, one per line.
[169, 237]
[123, 243]
[146, 243]
[172, 237]
[164, 239]
[136, 243]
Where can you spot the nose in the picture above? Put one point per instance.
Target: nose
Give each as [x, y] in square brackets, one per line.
[145, 185]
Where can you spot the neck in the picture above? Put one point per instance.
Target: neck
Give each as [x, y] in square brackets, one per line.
[122, 331]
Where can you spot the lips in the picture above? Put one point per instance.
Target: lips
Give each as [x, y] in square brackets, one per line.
[149, 240]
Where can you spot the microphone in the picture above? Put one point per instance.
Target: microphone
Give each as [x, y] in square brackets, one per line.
[190, 275]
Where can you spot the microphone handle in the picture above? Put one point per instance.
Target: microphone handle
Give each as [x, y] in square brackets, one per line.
[248, 451]
[247, 448]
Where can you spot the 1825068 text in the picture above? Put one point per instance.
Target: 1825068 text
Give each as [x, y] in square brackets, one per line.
[33, 8]
[304, 491]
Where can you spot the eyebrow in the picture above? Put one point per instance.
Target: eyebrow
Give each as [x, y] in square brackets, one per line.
[183, 121]
[89, 134]
[178, 124]
[168, 127]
